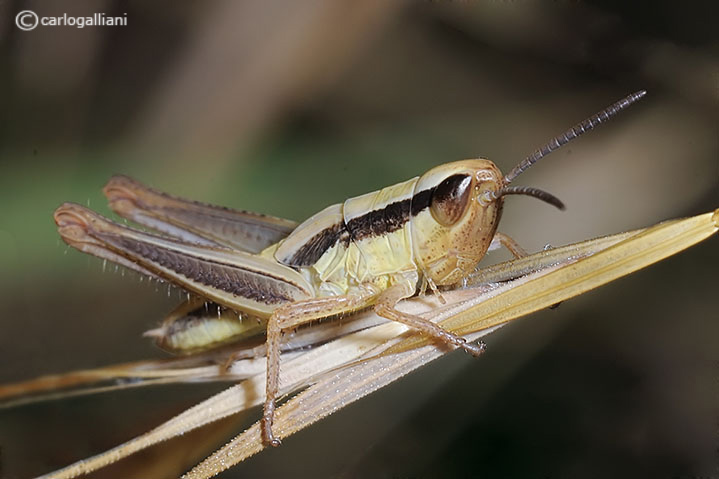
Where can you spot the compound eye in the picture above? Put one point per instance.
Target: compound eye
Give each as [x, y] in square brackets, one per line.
[450, 199]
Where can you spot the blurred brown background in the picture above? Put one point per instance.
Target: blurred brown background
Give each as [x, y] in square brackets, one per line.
[285, 107]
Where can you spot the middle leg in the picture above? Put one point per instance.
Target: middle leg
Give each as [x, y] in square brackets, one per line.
[386, 307]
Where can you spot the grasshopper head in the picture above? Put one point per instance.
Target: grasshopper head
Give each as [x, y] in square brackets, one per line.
[455, 211]
[456, 206]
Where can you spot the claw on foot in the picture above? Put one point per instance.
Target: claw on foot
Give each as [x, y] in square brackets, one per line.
[269, 439]
[475, 350]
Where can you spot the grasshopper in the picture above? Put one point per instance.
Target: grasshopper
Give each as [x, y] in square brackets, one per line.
[369, 251]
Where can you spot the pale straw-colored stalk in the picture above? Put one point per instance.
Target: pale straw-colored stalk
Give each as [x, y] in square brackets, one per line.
[348, 368]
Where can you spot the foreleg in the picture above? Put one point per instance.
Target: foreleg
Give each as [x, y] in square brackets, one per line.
[501, 239]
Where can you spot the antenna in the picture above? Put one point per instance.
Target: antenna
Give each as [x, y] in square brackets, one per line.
[572, 133]
[529, 191]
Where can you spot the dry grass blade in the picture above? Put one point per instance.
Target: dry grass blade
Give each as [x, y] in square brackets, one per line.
[344, 370]
[638, 251]
[199, 367]
[474, 318]
[83, 382]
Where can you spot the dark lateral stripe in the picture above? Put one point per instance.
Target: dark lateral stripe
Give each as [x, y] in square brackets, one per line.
[390, 218]
[379, 222]
[374, 223]
[316, 246]
[243, 283]
[421, 201]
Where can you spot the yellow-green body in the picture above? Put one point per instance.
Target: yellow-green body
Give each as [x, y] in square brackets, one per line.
[407, 235]
[419, 248]
[360, 263]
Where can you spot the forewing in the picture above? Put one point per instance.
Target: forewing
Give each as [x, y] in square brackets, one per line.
[192, 221]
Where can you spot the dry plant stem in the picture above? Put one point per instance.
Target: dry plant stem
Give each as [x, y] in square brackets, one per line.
[199, 367]
[389, 351]
[338, 389]
[551, 257]
[638, 251]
